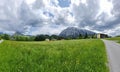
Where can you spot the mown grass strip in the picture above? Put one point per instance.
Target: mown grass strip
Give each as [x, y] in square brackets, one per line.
[117, 39]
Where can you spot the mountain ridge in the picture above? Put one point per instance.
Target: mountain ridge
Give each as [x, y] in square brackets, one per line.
[74, 32]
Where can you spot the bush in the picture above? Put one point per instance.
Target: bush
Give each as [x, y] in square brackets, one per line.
[40, 38]
[22, 38]
[5, 36]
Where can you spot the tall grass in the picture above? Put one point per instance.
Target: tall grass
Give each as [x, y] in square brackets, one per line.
[53, 56]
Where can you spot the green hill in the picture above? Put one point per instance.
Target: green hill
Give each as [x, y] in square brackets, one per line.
[117, 39]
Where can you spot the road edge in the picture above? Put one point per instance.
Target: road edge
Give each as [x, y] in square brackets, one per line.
[108, 57]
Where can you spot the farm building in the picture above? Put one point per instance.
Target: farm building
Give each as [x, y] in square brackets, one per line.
[47, 39]
[99, 35]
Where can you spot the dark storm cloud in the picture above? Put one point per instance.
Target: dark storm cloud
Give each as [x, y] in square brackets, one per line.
[26, 16]
[108, 25]
[22, 18]
[116, 7]
[113, 22]
[85, 13]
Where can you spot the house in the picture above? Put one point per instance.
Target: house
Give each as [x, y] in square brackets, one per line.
[99, 35]
[47, 39]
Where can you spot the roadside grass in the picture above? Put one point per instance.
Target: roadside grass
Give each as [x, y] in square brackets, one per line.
[55, 56]
[117, 39]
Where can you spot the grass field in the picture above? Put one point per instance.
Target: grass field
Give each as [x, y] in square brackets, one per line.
[117, 39]
[54, 56]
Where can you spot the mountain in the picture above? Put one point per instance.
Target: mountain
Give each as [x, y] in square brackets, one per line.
[1, 32]
[17, 33]
[74, 32]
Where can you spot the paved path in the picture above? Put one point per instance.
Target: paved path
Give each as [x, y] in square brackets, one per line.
[1, 41]
[113, 51]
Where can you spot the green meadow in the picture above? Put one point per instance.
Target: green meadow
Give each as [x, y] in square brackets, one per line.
[87, 55]
[117, 39]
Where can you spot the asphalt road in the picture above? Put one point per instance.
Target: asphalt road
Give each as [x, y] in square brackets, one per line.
[113, 52]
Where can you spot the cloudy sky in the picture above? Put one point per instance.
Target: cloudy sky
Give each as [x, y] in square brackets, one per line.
[52, 16]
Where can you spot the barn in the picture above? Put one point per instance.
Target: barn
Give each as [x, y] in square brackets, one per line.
[100, 35]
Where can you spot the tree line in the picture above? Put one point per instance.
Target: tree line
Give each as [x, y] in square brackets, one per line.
[42, 37]
[29, 37]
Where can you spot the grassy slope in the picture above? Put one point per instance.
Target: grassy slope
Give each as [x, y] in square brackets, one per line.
[57, 56]
[117, 39]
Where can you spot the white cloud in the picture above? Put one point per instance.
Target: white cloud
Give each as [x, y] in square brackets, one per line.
[48, 17]
[76, 2]
[48, 30]
[30, 1]
[106, 6]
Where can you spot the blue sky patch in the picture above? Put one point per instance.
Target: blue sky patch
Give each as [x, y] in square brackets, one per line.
[64, 3]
